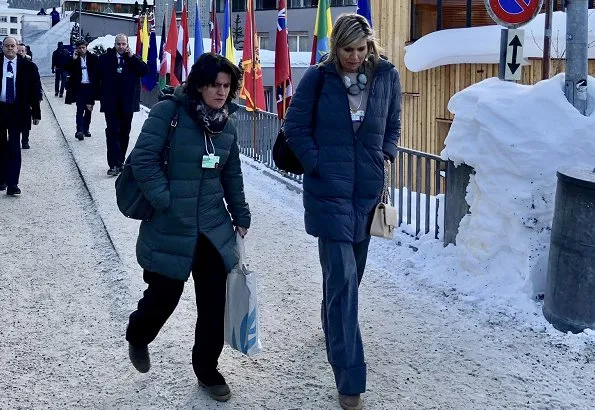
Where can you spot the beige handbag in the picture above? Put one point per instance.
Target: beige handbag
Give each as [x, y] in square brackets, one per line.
[385, 215]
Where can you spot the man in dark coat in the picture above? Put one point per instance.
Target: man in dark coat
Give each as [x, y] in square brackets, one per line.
[55, 17]
[120, 71]
[60, 59]
[22, 51]
[20, 96]
[82, 87]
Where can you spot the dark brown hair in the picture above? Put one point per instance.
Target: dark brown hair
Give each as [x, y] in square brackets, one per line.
[204, 72]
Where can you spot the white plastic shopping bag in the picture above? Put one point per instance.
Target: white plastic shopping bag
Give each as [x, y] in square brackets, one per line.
[241, 307]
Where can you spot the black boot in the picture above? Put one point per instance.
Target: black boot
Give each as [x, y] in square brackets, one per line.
[215, 385]
[139, 356]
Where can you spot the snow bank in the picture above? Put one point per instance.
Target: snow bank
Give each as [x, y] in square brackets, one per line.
[515, 137]
[481, 45]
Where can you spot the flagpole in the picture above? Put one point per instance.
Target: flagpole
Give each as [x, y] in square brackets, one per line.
[283, 97]
[254, 39]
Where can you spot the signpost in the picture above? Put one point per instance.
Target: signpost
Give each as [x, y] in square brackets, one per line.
[512, 14]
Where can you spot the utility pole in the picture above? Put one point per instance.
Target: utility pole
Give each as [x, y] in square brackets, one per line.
[547, 40]
[80, 19]
[576, 53]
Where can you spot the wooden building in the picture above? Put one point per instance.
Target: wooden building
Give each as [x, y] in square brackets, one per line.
[425, 116]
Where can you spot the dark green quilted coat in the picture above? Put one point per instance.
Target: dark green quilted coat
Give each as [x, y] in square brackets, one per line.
[192, 200]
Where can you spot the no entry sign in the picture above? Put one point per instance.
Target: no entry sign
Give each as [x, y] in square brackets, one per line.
[513, 13]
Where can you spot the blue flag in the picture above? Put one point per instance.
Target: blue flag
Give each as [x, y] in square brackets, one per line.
[150, 80]
[364, 9]
[198, 47]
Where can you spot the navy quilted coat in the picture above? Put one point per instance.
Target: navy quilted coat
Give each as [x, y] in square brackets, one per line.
[192, 201]
[344, 170]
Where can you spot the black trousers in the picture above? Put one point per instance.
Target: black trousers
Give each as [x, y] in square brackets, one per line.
[117, 135]
[162, 296]
[25, 136]
[83, 116]
[60, 81]
[10, 145]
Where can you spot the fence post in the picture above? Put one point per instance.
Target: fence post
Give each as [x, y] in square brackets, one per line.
[455, 206]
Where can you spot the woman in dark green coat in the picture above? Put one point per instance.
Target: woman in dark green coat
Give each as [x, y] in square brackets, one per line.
[199, 207]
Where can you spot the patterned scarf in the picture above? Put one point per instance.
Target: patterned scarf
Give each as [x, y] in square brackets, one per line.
[213, 121]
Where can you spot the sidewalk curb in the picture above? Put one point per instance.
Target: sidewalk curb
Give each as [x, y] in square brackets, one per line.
[78, 168]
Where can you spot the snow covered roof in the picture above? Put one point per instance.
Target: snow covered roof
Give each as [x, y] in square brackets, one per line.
[267, 57]
[482, 44]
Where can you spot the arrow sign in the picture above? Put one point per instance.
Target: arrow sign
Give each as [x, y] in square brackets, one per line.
[514, 54]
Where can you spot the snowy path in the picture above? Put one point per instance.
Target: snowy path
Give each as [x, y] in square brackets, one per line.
[67, 292]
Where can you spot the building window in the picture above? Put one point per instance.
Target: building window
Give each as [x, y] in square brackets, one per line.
[263, 41]
[179, 4]
[298, 41]
[3, 31]
[266, 4]
[14, 19]
[238, 5]
[3, 19]
[14, 31]
[427, 16]
[342, 3]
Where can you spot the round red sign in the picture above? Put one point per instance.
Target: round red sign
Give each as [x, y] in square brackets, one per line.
[513, 13]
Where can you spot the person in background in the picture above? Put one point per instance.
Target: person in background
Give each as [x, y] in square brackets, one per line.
[42, 12]
[22, 51]
[55, 17]
[197, 207]
[82, 87]
[60, 59]
[20, 97]
[344, 156]
[29, 52]
[119, 84]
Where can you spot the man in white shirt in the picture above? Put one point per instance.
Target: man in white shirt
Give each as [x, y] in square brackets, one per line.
[20, 98]
[82, 87]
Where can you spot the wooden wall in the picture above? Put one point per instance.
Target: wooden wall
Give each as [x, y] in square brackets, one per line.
[425, 116]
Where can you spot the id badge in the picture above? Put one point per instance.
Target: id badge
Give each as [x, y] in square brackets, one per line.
[357, 116]
[210, 161]
[119, 70]
[9, 75]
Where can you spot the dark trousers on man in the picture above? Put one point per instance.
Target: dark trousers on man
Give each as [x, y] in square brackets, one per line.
[117, 135]
[25, 137]
[84, 96]
[60, 81]
[162, 296]
[343, 265]
[10, 145]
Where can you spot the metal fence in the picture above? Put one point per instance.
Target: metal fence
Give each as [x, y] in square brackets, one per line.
[417, 179]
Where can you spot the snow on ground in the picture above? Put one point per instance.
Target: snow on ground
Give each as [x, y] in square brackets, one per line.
[67, 293]
[482, 44]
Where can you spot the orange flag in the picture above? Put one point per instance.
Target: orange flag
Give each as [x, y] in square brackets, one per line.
[252, 87]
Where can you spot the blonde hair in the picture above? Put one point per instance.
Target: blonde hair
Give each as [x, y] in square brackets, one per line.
[351, 28]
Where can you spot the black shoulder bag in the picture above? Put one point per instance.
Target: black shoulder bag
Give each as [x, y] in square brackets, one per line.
[131, 201]
[283, 156]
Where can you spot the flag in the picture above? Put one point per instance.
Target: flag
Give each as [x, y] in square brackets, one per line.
[322, 31]
[228, 50]
[283, 82]
[198, 47]
[214, 31]
[181, 66]
[144, 35]
[171, 47]
[162, 58]
[138, 36]
[252, 88]
[365, 10]
[150, 80]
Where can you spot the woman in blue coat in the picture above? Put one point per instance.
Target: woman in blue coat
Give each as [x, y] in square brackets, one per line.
[343, 124]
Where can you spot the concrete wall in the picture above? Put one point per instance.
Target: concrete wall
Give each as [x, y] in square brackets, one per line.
[44, 46]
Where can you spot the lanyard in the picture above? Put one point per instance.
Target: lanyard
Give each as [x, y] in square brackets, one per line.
[207, 146]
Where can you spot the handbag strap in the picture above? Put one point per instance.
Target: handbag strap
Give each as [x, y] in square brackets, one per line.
[385, 194]
[167, 147]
